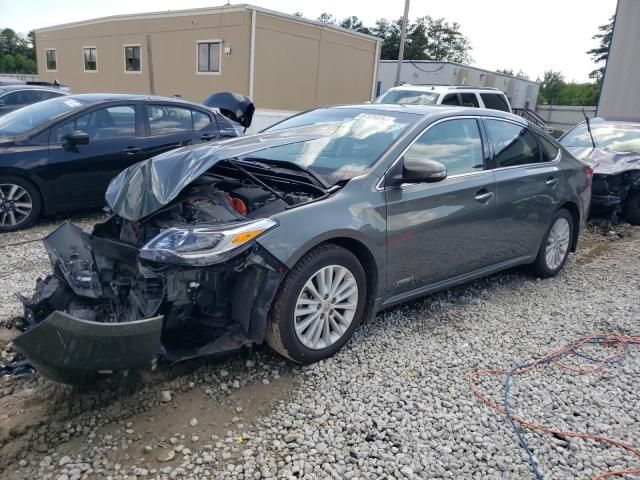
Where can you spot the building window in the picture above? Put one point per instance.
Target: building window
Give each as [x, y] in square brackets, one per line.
[209, 56]
[90, 59]
[132, 59]
[52, 64]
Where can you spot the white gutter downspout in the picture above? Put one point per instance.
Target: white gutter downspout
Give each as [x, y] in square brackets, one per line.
[375, 71]
[252, 53]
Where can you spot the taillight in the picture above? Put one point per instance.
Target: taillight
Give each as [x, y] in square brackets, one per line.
[589, 172]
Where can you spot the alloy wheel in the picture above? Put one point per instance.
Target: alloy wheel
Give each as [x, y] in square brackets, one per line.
[326, 307]
[15, 205]
[558, 243]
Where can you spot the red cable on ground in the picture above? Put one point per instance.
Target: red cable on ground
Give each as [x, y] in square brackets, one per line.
[610, 340]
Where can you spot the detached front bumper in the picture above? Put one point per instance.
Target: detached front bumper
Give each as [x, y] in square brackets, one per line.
[63, 347]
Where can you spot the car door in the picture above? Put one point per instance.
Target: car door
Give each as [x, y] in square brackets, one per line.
[438, 231]
[80, 174]
[528, 189]
[171, 126]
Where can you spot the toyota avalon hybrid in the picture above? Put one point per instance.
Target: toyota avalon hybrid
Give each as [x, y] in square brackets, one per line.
[295, 235]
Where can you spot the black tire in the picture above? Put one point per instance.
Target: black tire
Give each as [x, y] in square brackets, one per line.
[632, 208]
[281, 334]
[36, 202]
[540, 268]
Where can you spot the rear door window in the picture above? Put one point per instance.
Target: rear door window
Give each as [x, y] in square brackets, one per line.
[470, 100]
[454, 143]
[513, 144]
[450, 99]
[165, 119]
[20, 97]
[495, 101]
[200, 120]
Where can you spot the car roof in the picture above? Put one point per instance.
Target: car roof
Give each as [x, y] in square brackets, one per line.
[9, 88]
[437, 110]
[115, 97]
[445, 88]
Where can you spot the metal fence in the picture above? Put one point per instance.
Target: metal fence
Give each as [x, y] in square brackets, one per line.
[563, 117]
[26, 77]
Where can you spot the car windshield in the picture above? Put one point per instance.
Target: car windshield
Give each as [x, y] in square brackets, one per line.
[27, 118]
[614, 137]
[413, 97]
[357, 140]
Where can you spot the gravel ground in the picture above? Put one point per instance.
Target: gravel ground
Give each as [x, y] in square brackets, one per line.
[394, 404]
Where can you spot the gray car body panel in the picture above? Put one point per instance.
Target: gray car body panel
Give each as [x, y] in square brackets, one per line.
[421, 237]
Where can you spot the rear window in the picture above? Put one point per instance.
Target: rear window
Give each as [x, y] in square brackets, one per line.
[450, 99]
[548, 147]
[495, 101]
[513, 144]
[413, 97]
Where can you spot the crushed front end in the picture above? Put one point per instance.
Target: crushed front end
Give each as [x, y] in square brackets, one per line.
[176, 271]
[185, 282]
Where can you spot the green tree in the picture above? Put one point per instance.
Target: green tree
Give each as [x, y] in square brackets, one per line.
[389, 32]
[354, 23]
[327, 18]
[509, 71]
[17, 52]
[550, 87]
[7, 63]
[600, 53]
[427, 39]
[445, 41]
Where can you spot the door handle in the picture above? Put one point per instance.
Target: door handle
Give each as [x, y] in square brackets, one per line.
[207, 136]
[483, 196]
[552, 182]
[132, 150]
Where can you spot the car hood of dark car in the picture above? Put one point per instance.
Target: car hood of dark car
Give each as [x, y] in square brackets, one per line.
[5, 142]
[606, 162]
[147, 186]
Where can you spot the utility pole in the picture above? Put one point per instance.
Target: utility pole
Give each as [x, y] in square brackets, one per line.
[403, 34]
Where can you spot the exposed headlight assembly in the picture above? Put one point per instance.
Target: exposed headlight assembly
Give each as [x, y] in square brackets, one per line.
[203, 245]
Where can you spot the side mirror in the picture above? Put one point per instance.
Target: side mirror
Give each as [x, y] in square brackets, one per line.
[77, 137]
[418, 170]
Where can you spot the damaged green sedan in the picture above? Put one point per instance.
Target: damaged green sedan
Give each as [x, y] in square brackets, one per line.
[293, 236]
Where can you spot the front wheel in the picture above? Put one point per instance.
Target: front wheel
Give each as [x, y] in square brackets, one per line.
[319, 305]
[555, 246]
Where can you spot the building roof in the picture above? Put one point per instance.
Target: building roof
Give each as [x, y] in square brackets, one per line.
[446, 62]
[204, 11]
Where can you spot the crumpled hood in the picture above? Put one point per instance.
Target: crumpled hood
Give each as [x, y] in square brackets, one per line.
[147, 186]
[606, 162]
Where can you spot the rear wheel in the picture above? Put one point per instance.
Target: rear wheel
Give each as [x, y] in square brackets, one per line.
[319, 305]
[20, 203]
[632, 208]
[555, 246]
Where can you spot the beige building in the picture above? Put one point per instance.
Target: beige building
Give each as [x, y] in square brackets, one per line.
[281, 61]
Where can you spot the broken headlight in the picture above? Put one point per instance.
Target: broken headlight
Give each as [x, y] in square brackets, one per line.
[203, 245]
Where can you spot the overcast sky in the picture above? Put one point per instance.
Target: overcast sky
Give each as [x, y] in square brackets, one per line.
[532, 35]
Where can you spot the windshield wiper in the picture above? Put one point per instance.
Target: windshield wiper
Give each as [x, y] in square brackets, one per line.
[293, 166]
[593, 142]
